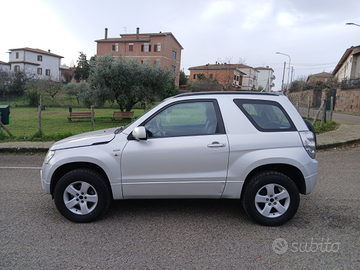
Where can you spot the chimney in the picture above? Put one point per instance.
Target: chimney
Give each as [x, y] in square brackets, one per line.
[106, 32]
[137, 32]
[49, 50]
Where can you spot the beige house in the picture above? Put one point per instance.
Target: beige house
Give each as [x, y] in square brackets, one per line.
[348, 67]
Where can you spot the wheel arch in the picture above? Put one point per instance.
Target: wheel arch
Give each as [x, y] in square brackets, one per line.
[290, 171]
[65, 168]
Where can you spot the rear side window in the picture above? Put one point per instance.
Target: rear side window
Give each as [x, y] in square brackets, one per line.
[267, 116]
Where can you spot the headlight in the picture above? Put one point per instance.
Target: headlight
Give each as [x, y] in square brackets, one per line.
[49, 156]
[308, 141]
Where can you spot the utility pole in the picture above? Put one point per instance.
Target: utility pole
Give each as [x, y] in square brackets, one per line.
[282, 83]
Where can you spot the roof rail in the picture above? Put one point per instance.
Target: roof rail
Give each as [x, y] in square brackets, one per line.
[226, 93]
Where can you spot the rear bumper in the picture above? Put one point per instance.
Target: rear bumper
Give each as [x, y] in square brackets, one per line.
[312, 176]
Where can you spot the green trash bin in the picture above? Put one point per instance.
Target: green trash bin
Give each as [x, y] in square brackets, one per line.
[70, 109]
[5, 114]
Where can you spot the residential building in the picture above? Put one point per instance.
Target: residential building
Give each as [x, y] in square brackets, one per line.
[162, 48]
[265, 78]
[319, 77]
[42, 64]
[229, 75]
[4, 66]
[250, 80]
[348, 67]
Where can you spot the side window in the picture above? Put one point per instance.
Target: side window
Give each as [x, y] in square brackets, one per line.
[184, 119]
[266, 115]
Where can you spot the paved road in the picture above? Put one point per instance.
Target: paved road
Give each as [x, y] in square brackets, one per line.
[181, 234]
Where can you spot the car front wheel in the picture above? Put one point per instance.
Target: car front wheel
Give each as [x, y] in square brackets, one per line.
[271, 198]
[82, 195]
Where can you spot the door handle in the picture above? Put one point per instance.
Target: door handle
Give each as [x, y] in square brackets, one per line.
[216, 145]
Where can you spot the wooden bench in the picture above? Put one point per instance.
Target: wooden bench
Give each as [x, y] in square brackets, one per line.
[123, 115]
[79, 115]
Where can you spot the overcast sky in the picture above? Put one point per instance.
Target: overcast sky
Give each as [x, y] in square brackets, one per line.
[313, 33]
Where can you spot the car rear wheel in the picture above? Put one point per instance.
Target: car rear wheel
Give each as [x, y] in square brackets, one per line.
[271, 198]
[82, 195]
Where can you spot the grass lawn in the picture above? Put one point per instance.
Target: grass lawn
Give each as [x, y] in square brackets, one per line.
[54, 123]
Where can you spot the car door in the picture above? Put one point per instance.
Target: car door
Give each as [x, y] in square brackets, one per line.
[185, 155]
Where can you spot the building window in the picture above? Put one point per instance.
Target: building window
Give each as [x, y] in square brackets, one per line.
[131, 47]
[39, 71]
[173, 68]
[47, 72]
[157, 62]
[195, 76]
[146, 47]
[17, 55]
[211, 76]
[115, 48]
[157, 47]
[39, 57]
[173, 54]
[16, 68]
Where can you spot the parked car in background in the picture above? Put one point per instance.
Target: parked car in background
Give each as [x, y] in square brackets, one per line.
[254, 147]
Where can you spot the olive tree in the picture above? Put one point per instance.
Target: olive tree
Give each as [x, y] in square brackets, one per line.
[80, 91]
[127, 82]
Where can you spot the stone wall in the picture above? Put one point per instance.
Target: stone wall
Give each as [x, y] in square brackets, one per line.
[303, 97]
[348, 101]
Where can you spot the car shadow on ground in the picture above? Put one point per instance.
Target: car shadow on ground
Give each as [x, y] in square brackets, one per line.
[199, 208]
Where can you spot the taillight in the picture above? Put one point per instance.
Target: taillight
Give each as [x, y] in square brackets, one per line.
[308, 141]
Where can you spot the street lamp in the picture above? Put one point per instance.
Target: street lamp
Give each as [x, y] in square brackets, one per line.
[288, 86]
[350, 23]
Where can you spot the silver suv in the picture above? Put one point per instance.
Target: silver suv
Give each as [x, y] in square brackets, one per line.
[221, 145]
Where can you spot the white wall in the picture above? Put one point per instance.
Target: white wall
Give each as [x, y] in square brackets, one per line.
[250, 80]
[265, 79]
[28, 62]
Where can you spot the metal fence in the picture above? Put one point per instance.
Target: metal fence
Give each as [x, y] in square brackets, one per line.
[350, 84]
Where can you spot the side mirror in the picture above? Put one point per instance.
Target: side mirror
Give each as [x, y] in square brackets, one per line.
[139, 133]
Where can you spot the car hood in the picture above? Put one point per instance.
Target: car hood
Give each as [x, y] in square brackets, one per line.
[86, 139]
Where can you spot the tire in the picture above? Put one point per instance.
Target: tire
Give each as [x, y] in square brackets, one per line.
[82, 195]
[311, 128]
[271, 198]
